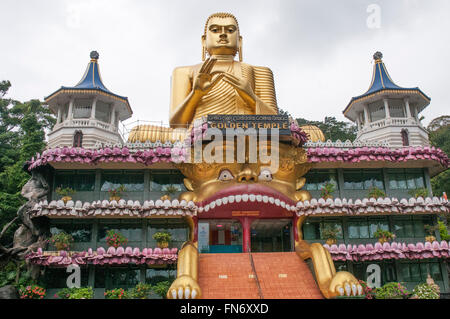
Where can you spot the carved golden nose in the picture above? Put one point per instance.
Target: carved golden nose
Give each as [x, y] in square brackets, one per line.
[246, 176]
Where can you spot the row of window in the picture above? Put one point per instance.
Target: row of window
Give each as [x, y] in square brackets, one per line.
[134, 231]
[111, 277]
[365, 227]
[365, 179]
[133, 181]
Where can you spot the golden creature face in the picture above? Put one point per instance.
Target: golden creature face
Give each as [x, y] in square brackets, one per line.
[222, 36]
[207, 182]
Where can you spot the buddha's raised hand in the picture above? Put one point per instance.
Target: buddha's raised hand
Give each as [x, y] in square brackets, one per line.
[205, 79]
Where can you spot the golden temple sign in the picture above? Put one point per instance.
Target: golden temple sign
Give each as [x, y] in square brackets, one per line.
[257, 122]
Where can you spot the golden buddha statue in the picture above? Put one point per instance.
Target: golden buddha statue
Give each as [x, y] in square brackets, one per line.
[220, 85]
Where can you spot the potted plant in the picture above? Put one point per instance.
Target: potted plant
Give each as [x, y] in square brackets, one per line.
[32, 292]
[327, 190]
[420, 192]
[430, 231]
[116, 193]
[117, 293]
[62, 241]
[161, 288]
[115, 239]
[162, 239]
[392, 290]
[169, 191]
[330, 233]
[383, 235]
[443, 231]
[375, 192]
[65, 193]
[141, 291]
[75, 293]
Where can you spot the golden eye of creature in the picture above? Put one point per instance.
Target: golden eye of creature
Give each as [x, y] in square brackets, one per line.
[265, 175]
[225, 175]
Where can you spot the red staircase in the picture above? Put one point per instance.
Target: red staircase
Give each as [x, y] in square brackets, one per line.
[275, 276]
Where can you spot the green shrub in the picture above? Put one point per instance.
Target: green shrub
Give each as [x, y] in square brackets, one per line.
[75, 293]
[161, 288]
[392, 290]
[141, 291]
[116, 293]
[15, 274]
[425, 291]
[443, 231]
[420, 192]
[375, 192]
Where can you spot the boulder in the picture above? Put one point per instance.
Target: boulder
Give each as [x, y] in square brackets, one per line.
[9, 292]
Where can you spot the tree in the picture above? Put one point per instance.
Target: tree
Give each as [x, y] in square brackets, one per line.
[332, 128]
[22, 135]
[440, 137]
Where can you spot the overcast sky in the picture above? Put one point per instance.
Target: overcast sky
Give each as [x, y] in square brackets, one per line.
[320, 51]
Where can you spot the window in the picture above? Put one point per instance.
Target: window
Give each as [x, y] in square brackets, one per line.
[388, 272]
[359, 179]
[405, 137]
[405, 178]
[418, 271]
[131, 229]
[120, 277]
[366, 227]
[396, 108]
[78, 139]
[77, 180]
[133, 181]
[102, 111]
[312, 228]
[315, 179]
[411, 226]
[81, 231]
[376, 110]
[155, 275]
[178, 229]
[82, 108]
[57, 277]
[162, 179]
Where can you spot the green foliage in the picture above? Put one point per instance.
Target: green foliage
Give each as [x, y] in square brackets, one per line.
[420, 192]
[392, 290]
[22, 135]
[375, 192]
[62, 240]
[380, 233]
[332, 128]
[369, 293]
[425, 291]
[443, 231]
[75, 293]
[327, 190]
[161, 288]
[65, 191]
[329, 231]
[15, 274]
[162, 237]
[170, 190]
[141, 291]
[430, 229]
[116, 293]
[441, 138]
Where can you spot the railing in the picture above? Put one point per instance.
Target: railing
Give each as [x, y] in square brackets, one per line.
[86, 123]
[254, 272]
[392, 121]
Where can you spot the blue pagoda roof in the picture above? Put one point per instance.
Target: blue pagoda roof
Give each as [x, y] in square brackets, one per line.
[381, 81]
[91, 80]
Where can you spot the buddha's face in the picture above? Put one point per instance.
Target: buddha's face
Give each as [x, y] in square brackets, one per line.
[222, 36]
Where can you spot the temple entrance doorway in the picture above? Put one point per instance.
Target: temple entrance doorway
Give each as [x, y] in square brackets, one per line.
[245, 234]
[271, 235]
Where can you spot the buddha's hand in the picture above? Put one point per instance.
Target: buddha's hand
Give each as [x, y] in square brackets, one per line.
[184, 287]
[243, 87]
[205, 79]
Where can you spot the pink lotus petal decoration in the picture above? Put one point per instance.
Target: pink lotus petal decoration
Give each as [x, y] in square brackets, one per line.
[99, 257]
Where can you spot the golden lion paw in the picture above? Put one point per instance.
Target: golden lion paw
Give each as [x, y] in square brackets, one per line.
[344, 283]
[184, 287]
